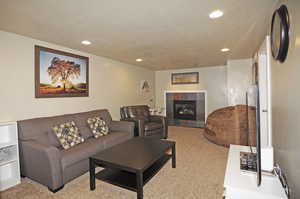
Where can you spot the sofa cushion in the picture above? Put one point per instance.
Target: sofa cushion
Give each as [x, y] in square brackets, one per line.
[98, 126]
[68, 134]
[115, 137]
[83, 117]
[152, 126]
[81, 152]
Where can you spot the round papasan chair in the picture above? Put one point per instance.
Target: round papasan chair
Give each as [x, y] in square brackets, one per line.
[232, 125]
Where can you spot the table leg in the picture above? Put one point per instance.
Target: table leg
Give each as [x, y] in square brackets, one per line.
[173, 156]
[139, 183]
[92, 175]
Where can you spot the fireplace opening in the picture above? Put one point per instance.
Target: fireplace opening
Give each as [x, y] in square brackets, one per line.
[185, 109]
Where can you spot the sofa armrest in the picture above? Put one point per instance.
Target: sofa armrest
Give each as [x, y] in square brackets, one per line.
[42, 163]
[126, 126]
[139, 123]
[163, 120]
[157, 118]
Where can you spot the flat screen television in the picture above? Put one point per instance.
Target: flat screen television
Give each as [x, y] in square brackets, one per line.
[251, 162]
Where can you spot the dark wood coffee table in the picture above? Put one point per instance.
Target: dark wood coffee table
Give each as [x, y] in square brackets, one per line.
[132, 164]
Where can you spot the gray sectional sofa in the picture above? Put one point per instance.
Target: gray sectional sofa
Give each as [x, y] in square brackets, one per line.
[44, 160]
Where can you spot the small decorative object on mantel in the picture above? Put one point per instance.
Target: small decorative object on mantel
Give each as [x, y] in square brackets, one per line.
[185, 78]
[280, 33]
[60, 74]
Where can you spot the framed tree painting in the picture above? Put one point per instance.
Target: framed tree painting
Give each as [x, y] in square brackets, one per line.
[60, 74]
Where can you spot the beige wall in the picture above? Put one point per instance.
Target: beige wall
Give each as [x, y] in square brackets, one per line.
[286, 105]
[211, 79]
[112, 83]
[238, 80]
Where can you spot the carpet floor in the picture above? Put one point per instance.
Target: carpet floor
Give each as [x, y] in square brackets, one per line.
[199, 175]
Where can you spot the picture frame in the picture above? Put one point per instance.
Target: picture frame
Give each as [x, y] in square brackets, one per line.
[185, 78]
[60, 74]
[280, 33]
[144, 86]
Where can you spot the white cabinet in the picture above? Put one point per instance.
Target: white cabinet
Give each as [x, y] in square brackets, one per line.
[240, 185]
[9, 155]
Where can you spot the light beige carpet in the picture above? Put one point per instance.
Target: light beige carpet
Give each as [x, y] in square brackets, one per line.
[199, 175]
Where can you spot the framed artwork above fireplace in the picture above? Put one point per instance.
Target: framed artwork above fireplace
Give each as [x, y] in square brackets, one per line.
[185, 78]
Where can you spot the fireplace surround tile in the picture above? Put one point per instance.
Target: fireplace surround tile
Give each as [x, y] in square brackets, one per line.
[199, 97]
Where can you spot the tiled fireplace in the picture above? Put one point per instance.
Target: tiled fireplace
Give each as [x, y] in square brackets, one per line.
[185, 108]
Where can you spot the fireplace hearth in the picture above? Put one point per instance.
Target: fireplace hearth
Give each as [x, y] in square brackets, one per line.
[184, 109]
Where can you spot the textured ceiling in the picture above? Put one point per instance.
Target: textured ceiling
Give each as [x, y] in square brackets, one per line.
[167, 34]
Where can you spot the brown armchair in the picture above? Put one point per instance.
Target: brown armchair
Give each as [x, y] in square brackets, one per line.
[146, 125]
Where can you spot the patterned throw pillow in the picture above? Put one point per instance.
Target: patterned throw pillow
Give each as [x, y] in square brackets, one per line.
[68, 134]
[98, 126]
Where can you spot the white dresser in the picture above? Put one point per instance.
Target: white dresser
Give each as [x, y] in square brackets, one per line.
[9, 155]
[241, 185]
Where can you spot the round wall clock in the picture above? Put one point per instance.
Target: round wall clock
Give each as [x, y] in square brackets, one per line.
[280, 33]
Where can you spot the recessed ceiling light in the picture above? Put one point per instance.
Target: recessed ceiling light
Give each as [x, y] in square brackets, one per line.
[216, 14]
[86, 42]
[225, 49]
[139, 60]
